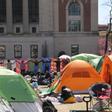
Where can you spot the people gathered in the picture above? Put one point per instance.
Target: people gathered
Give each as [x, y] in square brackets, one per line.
[37, 71]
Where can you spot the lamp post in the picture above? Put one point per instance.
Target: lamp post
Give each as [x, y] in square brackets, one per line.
[109, 31]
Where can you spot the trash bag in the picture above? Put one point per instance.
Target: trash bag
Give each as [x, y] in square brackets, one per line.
[48, 106]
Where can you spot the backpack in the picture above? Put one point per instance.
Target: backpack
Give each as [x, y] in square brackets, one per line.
[48, 106]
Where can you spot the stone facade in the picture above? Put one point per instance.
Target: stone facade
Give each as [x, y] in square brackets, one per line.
[51, 29]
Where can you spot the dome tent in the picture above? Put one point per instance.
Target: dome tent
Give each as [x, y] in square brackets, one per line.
[84, 56]
[78, 76]
[95, 60]
[106, 70]
[5, 106]
[18, 92]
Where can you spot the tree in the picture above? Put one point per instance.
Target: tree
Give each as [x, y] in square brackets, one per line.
[108, 35]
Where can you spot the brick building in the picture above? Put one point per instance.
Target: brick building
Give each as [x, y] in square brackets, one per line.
[35, 28]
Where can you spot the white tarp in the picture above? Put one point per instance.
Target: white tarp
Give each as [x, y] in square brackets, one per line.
[27, 107]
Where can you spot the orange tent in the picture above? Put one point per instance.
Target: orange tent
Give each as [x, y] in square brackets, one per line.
[79, 76]
[106, 71]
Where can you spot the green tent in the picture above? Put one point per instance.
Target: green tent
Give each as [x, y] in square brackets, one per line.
[97, 63]
[84, 56]
[80, 57]
[50, 90]
[14, 88]
[94, 60]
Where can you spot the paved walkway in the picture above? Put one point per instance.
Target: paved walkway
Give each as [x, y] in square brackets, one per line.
[77, 106]
[74, 106]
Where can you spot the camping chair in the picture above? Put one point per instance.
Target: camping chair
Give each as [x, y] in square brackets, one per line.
[101, 92]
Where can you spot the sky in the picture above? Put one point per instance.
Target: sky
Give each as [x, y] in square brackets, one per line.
[103, 12]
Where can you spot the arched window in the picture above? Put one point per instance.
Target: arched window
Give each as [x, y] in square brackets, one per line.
[74, 9]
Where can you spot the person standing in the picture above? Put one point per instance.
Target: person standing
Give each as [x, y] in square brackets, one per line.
[36, 65]
[22, 66]
[109, 51]
[9, 65]
[58, 62]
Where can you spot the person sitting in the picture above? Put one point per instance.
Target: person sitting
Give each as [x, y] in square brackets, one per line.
[34, 83]
[67, 95]
[48, 77]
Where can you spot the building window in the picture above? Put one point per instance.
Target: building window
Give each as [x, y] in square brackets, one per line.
[74, 9]
[33, 6]
[74, 25]
[74, 15]
[17, 51]
[34, 51]
[2, 11]
[18, 30]
[1, 30]
[2, 51]
[17, 9]
[74, 49]
[34, 29]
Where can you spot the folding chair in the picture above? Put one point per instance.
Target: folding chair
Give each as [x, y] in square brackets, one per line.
[101, 92]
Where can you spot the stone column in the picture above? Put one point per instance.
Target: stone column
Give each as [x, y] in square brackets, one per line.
[94, 15]
[40, 15]
[56, 15]
[25, 16]
[45, 15]
[9, 15]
